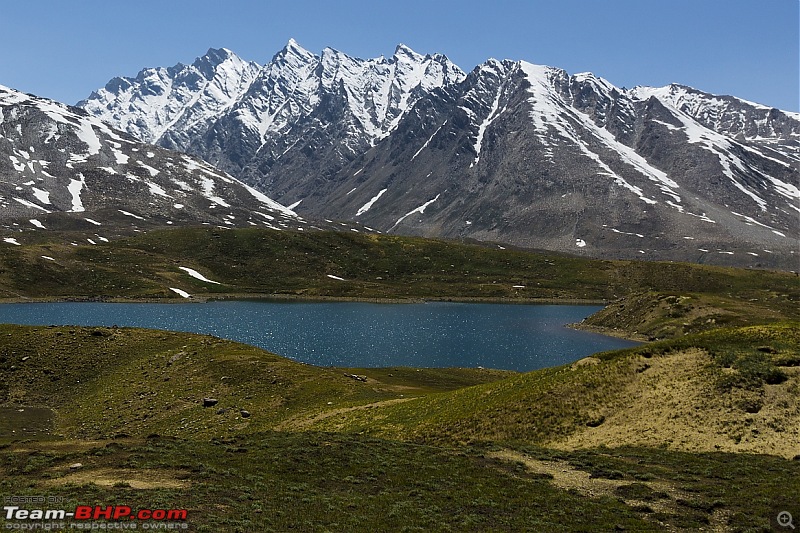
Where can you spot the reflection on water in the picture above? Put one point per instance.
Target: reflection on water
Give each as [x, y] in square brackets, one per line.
[440, 334]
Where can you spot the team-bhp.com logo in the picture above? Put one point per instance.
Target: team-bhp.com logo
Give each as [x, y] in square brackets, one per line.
[83, 515]
[122, 512]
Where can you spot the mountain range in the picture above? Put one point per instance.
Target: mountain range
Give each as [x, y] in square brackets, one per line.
[512, 152]
[301, 114]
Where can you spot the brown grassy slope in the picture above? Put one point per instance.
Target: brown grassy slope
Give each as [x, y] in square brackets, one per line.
[673, 402]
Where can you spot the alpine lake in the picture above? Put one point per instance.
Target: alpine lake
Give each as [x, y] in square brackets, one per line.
[356, 334]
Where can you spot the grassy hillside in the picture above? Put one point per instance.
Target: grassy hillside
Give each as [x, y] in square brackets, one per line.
[297, 264]
[106, 381]
[599, 445]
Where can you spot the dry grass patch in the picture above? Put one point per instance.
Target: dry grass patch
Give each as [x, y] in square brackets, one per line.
[567, 477]
[673, 401]
[60, 446]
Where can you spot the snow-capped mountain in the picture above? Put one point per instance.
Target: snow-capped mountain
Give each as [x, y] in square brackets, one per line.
[530, 155]
[513, 152]
[169, 106]
[728, 115]
[300, 113]
[62, 169]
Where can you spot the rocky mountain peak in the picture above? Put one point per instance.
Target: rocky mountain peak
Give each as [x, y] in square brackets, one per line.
[402, 51]
[207, 64]
[293, 53]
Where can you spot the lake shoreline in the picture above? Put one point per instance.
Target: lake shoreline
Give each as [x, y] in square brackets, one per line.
[204, 298]
[610, 332]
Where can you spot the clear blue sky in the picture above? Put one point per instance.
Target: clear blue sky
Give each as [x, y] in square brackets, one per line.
[749, 48]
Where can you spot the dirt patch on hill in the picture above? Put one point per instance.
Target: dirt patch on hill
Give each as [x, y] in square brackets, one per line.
[303, 422]
[136, 479]
[654, 496]
[567, 477]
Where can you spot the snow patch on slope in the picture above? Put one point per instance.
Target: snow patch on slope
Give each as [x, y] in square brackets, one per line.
[180, 292]
[367, 206]
[75, 187]
[491, 117]
[421, 148]
[421, 209]
[197, 275]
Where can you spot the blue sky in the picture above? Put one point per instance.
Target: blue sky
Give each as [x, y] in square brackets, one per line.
[748, 48]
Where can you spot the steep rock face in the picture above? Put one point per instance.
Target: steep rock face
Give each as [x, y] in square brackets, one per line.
[61, 168]
[306, 116]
